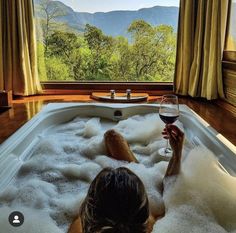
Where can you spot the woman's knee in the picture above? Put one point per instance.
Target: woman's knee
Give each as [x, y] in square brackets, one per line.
[111, 134]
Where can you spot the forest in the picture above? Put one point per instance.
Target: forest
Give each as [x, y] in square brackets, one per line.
[66, 55]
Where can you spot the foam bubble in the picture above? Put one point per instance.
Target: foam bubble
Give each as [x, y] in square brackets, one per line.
[35, 220]
[185, 219]
[95, 146]
[105, 161]
[205, 186]
[85, 172]
[8, 195]
[141, 129]
[35, 193]
[66, 208]
[92, 128]
[151, 178]
[50, 147]
[36, 164]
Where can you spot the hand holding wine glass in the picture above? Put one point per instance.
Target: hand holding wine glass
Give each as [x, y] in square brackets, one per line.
[168, 112]
[175, 137]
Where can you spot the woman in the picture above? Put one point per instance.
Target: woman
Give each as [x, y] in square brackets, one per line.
[117, 201]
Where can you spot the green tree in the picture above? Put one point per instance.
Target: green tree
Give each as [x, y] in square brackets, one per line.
[50, 12]
[41, 62]
[56, 69]
[139, 28]
[121, 60]
[96, 39]
[65, 46]
[166, 46]
[81, 59]
[101, 50]
[152, 51]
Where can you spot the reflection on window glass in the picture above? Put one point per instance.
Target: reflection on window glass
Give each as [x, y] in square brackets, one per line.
[231, 40]
[110, 41]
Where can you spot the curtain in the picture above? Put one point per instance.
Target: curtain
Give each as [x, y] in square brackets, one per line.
[18, 66]
[33, 107]
[201, 37]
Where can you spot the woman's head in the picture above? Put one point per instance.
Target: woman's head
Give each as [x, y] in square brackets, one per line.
[116, 202]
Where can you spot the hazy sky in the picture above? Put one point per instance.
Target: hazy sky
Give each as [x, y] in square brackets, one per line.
[110, 5]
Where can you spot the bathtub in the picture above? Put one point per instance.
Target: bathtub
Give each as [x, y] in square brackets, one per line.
[19, 147]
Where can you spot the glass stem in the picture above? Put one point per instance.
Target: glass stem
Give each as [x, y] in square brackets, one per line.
[167, 146]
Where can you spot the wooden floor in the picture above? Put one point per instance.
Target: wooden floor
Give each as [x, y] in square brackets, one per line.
[24, 109]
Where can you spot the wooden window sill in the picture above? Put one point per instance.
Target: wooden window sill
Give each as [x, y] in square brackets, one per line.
[88, 88]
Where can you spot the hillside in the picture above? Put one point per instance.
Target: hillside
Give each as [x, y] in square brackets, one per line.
[112, 23]
[116, 22]
[233, 20]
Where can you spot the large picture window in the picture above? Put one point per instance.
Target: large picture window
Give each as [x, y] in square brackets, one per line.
[231, 38]
[106, 40]
[229, 58]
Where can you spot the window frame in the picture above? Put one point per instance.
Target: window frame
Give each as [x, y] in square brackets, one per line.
[229, 56]
[75, 87]
[60, 87]
[229, 60]
[229, 67]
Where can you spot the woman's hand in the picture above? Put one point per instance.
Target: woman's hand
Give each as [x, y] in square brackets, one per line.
[176, 138]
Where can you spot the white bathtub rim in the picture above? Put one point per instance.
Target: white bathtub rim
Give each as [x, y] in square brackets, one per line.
[51, 108]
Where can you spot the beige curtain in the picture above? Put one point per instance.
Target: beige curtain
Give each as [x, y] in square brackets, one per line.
[18, 65]
[33, 107]
[201, 37]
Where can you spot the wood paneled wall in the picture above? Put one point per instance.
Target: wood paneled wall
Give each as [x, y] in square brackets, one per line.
[230, 85]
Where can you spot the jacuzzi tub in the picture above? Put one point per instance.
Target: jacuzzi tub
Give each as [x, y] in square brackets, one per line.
[18, 148]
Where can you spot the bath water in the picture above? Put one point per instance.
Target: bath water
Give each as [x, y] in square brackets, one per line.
[51, 185]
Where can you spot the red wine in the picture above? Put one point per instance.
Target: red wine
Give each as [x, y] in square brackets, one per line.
[168, 119]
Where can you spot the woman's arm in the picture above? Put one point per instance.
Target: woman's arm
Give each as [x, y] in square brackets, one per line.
[176, 139]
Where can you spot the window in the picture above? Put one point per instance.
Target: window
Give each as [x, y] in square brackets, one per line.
[229, 58]
[231, 40]
[115, 41]
[230, 47]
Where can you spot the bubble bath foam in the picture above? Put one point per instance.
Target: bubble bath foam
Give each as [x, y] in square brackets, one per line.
[48, 178]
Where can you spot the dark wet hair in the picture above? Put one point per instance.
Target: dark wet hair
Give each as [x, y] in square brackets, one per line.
[116, 203]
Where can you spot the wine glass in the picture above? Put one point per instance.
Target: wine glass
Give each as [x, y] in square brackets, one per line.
[168, 112]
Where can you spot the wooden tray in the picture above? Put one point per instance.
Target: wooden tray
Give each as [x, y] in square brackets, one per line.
[120, 97]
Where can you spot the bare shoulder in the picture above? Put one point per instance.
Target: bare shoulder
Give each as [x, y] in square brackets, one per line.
[76, 226]
[151, 221]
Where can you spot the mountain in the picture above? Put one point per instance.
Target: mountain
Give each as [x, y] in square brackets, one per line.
[233, 20]
[116, 22]
[113, 23]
